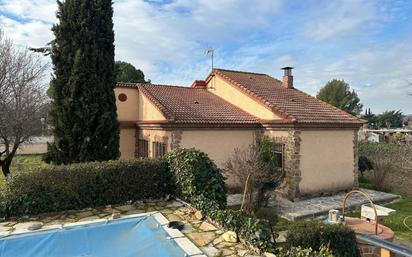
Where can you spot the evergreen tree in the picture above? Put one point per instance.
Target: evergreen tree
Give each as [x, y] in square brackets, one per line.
[83, 110]
[337, 93]
[126, 72]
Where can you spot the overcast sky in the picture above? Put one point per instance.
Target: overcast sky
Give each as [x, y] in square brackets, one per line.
[366, 43]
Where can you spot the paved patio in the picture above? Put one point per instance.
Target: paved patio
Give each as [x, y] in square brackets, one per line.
[203, 234]
[319, 206]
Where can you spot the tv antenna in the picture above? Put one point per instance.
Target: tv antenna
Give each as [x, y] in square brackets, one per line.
[210, 51]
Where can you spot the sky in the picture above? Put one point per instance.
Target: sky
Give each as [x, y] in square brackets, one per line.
[368, 43]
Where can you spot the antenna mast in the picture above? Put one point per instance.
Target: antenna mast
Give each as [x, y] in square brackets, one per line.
[210, 51]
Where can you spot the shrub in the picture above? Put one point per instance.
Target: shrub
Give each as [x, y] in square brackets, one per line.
[200, 183]
[77, 186]
[304, 252]
[313, 234]
[198, 180]
[364, 164]
[385, 159]
[256, 232]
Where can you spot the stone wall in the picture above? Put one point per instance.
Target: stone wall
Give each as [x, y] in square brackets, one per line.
[292, 176]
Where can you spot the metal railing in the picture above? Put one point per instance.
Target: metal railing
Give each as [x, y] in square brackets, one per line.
[386, 246]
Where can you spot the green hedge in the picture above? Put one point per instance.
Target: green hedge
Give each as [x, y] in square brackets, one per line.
[197, 177]
[77, 186]
[340, 239]
[200, 183]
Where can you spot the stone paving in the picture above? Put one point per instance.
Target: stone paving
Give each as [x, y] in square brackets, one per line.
[319, 206]
[210, 239]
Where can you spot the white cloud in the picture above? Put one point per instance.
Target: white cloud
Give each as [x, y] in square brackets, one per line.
[41, 10]
[337, 18]
[166, 40]
[33, 33]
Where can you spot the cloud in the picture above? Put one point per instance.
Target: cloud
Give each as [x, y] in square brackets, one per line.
[32, 33]
[364, 42]
[337, 18]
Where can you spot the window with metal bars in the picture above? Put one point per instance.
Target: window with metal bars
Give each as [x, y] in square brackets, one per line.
[142, 148]
[279, 150]
[158, 149]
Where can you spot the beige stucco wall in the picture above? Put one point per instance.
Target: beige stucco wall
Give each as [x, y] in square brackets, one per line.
[136, 107]
[147, 110]
[327, 160]
[233, 95]
[127, 143]
[128, 110]
[218, 144]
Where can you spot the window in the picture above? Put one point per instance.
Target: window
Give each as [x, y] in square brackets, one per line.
[279, 154]
[142, 148]
[158, 149]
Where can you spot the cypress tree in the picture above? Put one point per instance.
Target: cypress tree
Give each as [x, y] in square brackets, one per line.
[83, 108]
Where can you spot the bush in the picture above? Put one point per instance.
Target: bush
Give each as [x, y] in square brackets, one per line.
[200, 183]
[198, 180]
[256, 232]
[304, 252]
[364, 164]
[385, 159]
[313, 234]
[77, 186]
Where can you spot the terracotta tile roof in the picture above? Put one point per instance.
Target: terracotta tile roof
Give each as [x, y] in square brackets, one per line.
[291, 104]
[192, 105]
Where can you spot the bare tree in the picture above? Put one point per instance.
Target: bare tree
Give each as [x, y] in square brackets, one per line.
[256, 169]
[22, 95]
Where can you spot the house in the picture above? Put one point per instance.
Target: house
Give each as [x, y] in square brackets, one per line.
[316, 141]
[397, 135]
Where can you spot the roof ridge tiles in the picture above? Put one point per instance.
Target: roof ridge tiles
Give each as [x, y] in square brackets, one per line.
[238, 71]
[131, 84]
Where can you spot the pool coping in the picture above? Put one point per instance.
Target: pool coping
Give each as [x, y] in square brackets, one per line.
[181, 240]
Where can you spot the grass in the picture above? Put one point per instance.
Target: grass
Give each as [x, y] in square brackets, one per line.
[282, 224]
[24, 163]
[395, 222]
[27, 162]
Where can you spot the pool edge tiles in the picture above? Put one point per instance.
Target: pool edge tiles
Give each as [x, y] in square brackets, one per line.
[181, 240]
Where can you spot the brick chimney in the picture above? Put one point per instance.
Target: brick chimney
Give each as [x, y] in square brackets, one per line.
[287, 77]
[199, 84]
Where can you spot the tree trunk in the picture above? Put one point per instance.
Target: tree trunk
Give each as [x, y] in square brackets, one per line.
[5, 167]
[5, 164]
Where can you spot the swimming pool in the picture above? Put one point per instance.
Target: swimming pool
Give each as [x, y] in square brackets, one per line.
[130, 236]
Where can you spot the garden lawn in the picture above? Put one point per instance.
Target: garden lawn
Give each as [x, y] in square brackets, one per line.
[395, 222]
[27, 162]
[24, 163]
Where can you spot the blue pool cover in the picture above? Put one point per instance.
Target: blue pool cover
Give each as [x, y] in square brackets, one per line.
[132, 237]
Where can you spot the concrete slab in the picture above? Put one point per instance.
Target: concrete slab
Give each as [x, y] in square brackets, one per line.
[319, 206]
